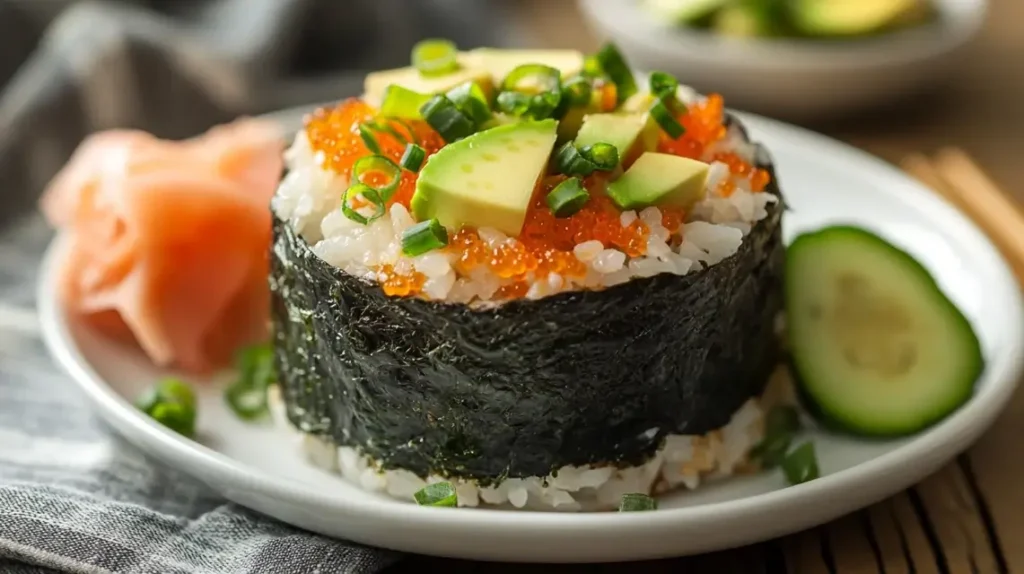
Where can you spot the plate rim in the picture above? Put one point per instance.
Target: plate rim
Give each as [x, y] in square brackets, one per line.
[950, 437]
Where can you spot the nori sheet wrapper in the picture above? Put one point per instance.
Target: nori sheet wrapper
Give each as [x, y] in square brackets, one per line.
[528, 387]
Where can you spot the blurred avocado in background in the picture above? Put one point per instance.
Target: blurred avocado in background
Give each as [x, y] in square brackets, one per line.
[805, 19]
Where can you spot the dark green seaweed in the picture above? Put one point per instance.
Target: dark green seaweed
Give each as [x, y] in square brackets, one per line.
[523, 389]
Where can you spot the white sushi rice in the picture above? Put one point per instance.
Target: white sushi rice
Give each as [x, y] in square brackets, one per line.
[309, 198]
[682, 461]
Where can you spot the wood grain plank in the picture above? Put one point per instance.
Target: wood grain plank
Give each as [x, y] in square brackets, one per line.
[922, 559]
[804, 553]
[852, 549]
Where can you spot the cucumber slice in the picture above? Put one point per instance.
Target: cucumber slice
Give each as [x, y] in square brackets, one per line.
[684, 11]
[877, 348]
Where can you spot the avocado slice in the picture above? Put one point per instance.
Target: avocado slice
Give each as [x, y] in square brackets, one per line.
[741, 21]
[486, 179]
[376, 83]
[850, 17]
[629, 133]
[660, 179]
[498, 63]
[684, 11]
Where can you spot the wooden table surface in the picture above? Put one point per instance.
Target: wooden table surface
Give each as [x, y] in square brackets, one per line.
[969, 517]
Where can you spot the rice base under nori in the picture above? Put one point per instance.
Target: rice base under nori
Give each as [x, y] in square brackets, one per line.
[646, 382]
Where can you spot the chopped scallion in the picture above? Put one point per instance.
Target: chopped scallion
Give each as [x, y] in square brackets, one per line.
[513, 103]
[369, 194]
[445, 117]
[412, 159]
[533, 79]
[771, 451]
[801, 465]
[437, 494]
[378, 164]
[423, 237]
[171, 403]
[567, 197]
[570, 160]
[663, 84]
[577, 91]
[369, 137]
[435, 57]
[668, 123]
[615, 67]
[636, 502]
[247, 396]
[471, 100]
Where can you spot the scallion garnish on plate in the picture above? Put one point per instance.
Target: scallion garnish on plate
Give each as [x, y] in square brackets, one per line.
[423, 237]
[801, 465]
[437, 494]
[435, 57]
[247, 395]
[637, 502]
[171, 403]
[444, 116]
[781, 423]
[567, 197]
[577, 91]
[663, 84]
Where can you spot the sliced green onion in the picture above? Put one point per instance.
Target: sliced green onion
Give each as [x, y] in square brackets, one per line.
[171, 403]
[577, 91]
[592, 67]
[435, 57]
[247, 396]
[370, 195]
[445, 117]
[412, 159]
[614, 65]
[424, 236]
[471, 100]
[636, 502]
[378, 164]
[801, 465]
[369, 137]
[668, 122]
[663, 84]
[570, 160]
[513, 103]
[567, 197]
[533, 79]
[400, 102]
[437, 494]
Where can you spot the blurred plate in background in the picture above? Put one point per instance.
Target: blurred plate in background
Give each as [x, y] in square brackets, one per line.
[790, 78]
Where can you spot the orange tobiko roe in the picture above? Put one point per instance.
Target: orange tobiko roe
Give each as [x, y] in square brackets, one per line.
[704, 126]
[546, 243]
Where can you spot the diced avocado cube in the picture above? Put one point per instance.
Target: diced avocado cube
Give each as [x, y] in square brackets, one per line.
[624, 131]
[486, 179]
[660, 179]
[376, 83]
[498, 63]
[850, 17]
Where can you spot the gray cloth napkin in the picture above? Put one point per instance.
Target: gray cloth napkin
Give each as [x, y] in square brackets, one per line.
[74, 497]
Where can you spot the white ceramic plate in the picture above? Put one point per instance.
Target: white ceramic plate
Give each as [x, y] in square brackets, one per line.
[825, 182]
[793, 79]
